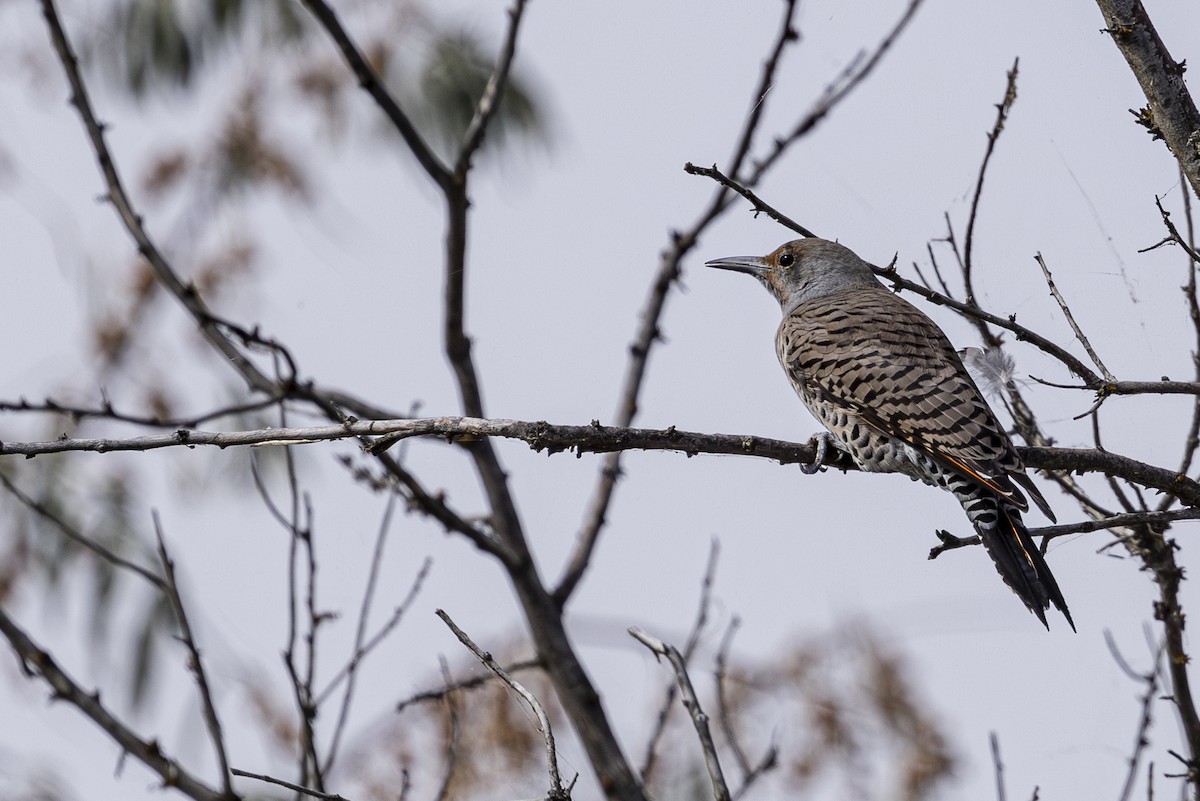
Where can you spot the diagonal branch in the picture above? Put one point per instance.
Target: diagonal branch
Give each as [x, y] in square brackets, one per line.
[195, 664]
[373, 85]
[1171, 114]
[37, 662]
[692, 703]
[185, 293]
[648, 333]
[1002, 109]
[557, 792]
[1079, 335]
[493, 92]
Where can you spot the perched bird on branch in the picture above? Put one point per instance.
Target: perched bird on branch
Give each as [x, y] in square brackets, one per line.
[889, 386]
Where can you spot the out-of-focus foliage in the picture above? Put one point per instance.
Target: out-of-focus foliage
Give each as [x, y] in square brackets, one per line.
[174, 44]
[452, 80]
[166, 43]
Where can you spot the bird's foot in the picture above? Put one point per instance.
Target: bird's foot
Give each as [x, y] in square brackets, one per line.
[824, 441]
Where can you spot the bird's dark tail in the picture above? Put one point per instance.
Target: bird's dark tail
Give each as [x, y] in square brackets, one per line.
[1017, 558]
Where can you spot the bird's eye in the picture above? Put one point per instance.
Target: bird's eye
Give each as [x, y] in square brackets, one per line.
[786, 259]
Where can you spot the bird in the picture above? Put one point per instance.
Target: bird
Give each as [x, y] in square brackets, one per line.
[895, 397]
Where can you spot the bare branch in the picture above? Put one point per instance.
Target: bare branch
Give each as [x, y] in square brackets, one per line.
[373, 85]
[1160, 519]
[669, 271]
[469, 683]
[363, 646]
[689, 651]
[489, 101]
[186, 294]
[454, 740]
[1150, 680]
[755, 201]
[195, 663]
[297, 788]
[1062, 304]
[998, 766]
[1171, 114]
[692, 704]
[70, 532]
[1002, 110]
[107, 412]
[556, 787]
[770, 757]
[37, 662]
[606, 439]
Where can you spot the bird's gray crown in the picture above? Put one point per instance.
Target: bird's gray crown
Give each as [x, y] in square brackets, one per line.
[804, 269]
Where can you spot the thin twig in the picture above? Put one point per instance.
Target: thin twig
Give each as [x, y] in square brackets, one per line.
[453, 741]
[556, 787]
[364, 648]
[297, 788]
[724, 712]
[186, 294]
[1079, 335]
[692, 704]
[217, 332]
[71, 533]
[689, 650]
[493, 92]
[107, 412]
[1150, 680]
[770, 757]
[468, 683]
[212, 721]
[1191, 441]
[373, 85]
[1002, 110]
[997, 765]
[759, 206]
[949, 542]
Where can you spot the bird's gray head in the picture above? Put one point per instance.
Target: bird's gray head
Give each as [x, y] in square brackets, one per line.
[804, 269]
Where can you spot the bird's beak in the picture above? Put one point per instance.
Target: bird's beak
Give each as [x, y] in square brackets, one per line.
[751, 265]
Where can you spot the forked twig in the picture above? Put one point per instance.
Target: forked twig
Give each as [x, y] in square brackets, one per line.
[689, 650]
[557, 791]
[692, 704]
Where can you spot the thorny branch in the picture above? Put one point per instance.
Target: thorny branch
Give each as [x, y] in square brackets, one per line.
[1171, 113]
[605, 439]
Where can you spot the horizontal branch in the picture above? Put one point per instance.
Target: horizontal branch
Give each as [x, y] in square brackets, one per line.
[594, 438]
[1158, 519]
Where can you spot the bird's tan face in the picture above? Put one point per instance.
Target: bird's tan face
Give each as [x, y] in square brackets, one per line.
[802, 270]
[776, 270]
